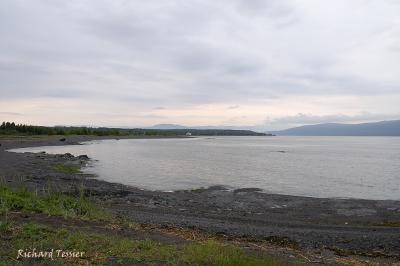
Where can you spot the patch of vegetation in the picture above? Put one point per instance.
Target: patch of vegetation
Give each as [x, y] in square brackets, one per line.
[200, 189]
[282, 241]
[56, 204]
[390, 223]
[99, 249]
[66, 168]
[373, 254]
[5, 226]
[103, 246]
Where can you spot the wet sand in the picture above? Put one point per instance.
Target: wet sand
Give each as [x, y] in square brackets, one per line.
[322, 227]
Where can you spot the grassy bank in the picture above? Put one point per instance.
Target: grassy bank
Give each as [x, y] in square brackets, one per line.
[100, 248]
[54, 204]
[100, 242]
[66, 168]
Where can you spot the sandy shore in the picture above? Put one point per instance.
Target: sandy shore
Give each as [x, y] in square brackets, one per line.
[322, 227]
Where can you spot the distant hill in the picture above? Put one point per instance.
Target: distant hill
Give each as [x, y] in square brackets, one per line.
[210, 132]
[175, 126]
[383, 128]
[167, 126]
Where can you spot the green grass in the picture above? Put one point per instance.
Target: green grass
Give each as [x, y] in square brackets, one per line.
[5, 226]
[98, 248]
[56, 204]
[66, 168]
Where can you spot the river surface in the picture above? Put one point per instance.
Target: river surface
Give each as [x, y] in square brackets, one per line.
[325, 167]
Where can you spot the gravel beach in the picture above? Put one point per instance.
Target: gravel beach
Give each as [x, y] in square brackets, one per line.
[322, 227]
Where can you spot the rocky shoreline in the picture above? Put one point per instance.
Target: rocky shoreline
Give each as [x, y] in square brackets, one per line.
[322, 227]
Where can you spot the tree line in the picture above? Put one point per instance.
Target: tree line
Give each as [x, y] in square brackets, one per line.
[11, 128]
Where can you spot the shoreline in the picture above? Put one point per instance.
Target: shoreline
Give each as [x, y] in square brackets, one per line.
[319, 226]
[82, 140]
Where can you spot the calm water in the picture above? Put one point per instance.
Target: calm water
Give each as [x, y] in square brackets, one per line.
[355, 167]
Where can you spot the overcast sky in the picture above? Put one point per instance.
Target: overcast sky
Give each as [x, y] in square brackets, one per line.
[266, 63]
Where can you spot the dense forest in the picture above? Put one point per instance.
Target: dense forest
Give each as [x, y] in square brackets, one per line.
[10, 128]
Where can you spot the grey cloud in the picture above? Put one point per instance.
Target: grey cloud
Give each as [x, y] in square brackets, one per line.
[274, 8]
[174, 53]
[395, 48]
[29, 81]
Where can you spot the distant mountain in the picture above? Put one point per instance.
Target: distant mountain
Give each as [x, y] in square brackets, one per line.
[174, 129]
[174, 126]
[167, 126]
[383, 128]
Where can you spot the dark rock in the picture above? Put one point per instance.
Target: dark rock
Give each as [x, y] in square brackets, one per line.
[68, 155]
[216, 187]
[83, 157]
[62, 139]
[245, 190]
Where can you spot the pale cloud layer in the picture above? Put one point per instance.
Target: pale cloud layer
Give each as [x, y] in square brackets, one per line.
[270, 64]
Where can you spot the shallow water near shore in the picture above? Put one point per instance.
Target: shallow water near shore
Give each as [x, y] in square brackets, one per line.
[325, 167]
